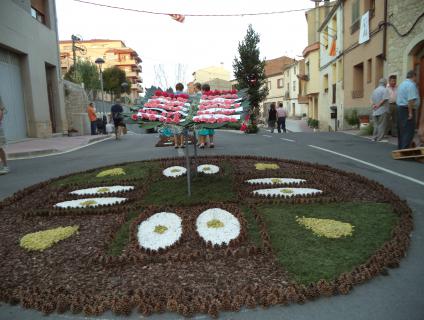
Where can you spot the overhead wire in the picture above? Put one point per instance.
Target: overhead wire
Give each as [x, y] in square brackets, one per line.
[192, 14]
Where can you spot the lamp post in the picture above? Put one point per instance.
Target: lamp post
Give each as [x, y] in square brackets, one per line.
[124, 86]
[99, 62]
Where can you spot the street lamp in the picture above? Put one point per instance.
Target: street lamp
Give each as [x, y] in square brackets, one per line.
[124, 86]
[100, 61]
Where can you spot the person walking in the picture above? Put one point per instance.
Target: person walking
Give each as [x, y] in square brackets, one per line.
[408, 100]
[380, 114]
[91, 111]
[118, 119]
[5, 168]
[281, 118]
[392, 87]
[272, 117]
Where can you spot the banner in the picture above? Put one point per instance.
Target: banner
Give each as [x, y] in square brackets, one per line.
[364, 32]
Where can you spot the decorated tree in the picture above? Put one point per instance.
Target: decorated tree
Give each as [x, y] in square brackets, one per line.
[249, 70]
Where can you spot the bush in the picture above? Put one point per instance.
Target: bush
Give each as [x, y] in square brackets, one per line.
[252, 128]
[313, 123]
[352, 118]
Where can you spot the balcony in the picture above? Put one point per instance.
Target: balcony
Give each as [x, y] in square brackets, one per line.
[302, 99]
[136, 86]
[132, 74]
[357, 94]
[287, 96]
[127, 62]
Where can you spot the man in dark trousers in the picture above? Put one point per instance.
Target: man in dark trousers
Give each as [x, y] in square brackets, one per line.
[281, 118]
[118, 119]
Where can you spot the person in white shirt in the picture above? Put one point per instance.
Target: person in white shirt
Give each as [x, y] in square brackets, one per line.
[379, 99]
[281, 118]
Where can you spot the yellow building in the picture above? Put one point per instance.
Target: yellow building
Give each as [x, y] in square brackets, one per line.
[211, 73]
[314, 17]
[113, 52]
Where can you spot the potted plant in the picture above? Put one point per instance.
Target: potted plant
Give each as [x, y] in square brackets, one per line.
[352, 118]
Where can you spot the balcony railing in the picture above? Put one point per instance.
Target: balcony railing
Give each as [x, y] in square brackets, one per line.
[357, 94]
[126, 62]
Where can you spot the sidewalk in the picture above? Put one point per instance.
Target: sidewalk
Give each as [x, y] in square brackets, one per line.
[294, 125]
[36, 147]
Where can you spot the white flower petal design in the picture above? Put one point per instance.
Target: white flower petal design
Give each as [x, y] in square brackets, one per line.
[160, 230]
[89, 202]
[218, 226]
[102, 190]
[174, 171]
[288, 192]
[208, 169]
[274, 181]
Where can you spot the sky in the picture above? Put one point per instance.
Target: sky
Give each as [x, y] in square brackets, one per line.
[172, 51]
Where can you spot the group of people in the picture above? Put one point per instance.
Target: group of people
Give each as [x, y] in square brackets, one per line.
[394, 109]
[204, 133]
[116, 117]
[277, 115]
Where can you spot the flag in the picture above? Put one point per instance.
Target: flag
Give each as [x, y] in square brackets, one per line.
[178, 17]
[333, 47]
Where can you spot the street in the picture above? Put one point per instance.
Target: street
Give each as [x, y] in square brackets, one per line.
[397, 296]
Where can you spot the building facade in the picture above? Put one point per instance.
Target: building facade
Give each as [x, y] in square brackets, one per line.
[210, 73]
[331, 93]
[30, 83]
[292, 89]
[275, 83]
[405, 50]
[311, 54]
[363, 62]
[113, 52]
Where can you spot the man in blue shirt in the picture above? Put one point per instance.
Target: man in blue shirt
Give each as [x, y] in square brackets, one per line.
[407, 101]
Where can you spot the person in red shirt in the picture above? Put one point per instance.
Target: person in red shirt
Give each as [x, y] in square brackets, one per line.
[91, 110]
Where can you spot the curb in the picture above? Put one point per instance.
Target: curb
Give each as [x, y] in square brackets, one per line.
[49, 152]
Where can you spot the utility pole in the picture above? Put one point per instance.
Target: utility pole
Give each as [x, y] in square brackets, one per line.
[82, 49]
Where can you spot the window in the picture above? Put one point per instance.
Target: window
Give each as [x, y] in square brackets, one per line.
[334, 91]
[294, 86]
[355, 16]
[358, 81]
[369, 70]
[39, 10]
[379, 65]
[280, 83]
[325, 83]
[369, 5]
[268, 85]
[325, 38]
[340, 70]
[333, 73]
[307, 68]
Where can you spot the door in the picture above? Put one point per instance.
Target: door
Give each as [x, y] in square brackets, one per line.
[14, 122]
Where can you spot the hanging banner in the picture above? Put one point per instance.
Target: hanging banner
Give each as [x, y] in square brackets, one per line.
[364, 31]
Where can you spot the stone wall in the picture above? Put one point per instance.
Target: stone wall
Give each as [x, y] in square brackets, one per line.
[403, 14]
[76, 102]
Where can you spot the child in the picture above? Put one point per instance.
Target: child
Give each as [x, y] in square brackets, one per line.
[204, 133]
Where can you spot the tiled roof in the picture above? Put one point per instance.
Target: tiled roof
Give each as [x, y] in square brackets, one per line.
[276, 66]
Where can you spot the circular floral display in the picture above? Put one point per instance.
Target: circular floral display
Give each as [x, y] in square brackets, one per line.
[218, 226]
[174, 171]
[102, 190]
[159, 231]
[90, 202]
[274, 181]
[208, 169]
[286, 192]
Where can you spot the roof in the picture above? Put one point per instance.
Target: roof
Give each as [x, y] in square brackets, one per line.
[275, 66]
[310, 48]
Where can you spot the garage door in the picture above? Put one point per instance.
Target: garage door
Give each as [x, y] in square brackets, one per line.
[14, 123]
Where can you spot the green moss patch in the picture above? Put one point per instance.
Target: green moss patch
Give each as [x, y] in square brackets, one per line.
[308, 257]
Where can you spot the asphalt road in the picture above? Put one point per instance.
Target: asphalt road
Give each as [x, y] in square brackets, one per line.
[398, 296]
